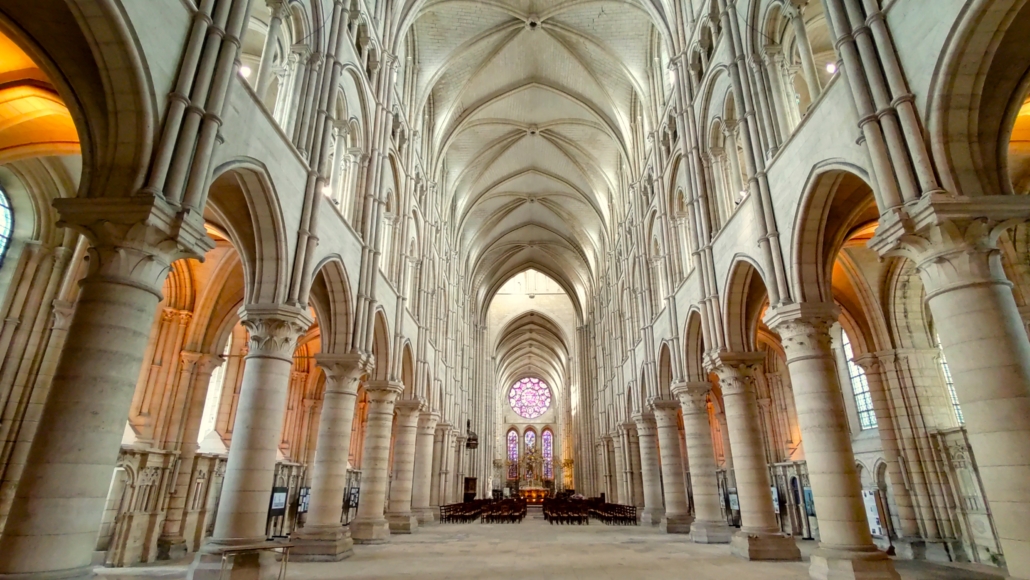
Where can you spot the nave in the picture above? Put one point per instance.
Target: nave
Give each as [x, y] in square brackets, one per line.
[534, 549]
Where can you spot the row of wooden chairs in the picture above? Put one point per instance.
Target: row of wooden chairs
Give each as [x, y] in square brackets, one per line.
[561, 511]
[462, 513]
[505, 511]
[615, 514]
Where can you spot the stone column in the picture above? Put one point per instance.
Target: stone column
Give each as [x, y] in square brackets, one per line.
[436, 487]
[249, 473]
[621, 491]
[605, 463]
[982, 335]
[370, 525]
[647, 438]
[425, 459]
[402, 521]
[709, 526]
[278, 10]
[58, 504]
[458, 494]
[846, 548]
[677, 512]
[797, 20]
[196, 371]
[759, 537]
[323, 538]
[633, 456]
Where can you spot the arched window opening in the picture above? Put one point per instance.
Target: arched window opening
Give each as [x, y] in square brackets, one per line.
[530, 398]
[860, 387]
[513, 454]
[530, 438]
[6, 225]
[949, 382]
[214, 396]
[547, 450]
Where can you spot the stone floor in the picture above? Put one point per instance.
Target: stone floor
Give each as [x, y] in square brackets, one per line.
[535, 549]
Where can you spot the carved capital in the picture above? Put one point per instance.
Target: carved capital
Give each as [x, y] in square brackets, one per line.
[646, 425]
[408, 409]
[693, 396]
[804, 328]
[383, 392]
[735, 370]
[343, 371]
[952, 239]
[133, 240]
[273, 329]
[442, 429]
[63, 311]
[427, 421]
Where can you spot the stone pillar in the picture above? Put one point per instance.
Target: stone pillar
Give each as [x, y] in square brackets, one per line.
[647, 438]
[402, 520]
[606, 463]
[846, 548]
[458, 494]
[58, 504]
[249, 473]
[436, 487]
[677, 512]
[633, 457]
[323, 538]
[196, 371]
[984, 341]
[621, 491]
[709, 526]
[759, 537]
[370, 525]
[797, 20]
[425, 459]
[278, 10]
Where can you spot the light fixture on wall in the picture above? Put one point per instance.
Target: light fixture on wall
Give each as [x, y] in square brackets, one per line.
[831, 67]
[245, 71]
[327, 190]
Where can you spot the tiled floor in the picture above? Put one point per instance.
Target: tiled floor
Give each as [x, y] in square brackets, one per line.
[537, 550]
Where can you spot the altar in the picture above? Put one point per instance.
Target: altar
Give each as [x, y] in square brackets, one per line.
[534, 495]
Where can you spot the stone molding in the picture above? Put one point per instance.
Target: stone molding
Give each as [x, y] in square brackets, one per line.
[735, 370]
[646, 425]
[274, 329]
[427, 421]
[383, 392]
[693, 396]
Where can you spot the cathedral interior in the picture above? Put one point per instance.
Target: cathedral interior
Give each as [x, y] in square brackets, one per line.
[305, 288]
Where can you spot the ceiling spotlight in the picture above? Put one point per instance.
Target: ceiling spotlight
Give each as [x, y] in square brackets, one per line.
[831, 67]
[245, 71]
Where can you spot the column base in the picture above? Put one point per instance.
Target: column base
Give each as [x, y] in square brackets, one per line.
[930, 550]
[424, 515]
[83, 573]
[764, 546]
[207, 565]
[321, 544]
[402, 523]
[676, 524]
[370, 531]
[830, 564]
[652, 516]
[710, 533]
[171, 548]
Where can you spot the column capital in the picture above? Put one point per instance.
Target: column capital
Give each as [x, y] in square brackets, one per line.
[952, 239]
[646, 424]
[342, 371]
[443, 428]
[804, 328]
[427, 421]
[735, 370]
[693, 396]
[410, 407]
[629, 428]
[134, 240]
[274, 329]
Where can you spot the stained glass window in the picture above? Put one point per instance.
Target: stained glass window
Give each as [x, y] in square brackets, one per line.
[6, 224]
[530, 398]
[547, 445]
[513, 454]
[530, 441]
[860, 387]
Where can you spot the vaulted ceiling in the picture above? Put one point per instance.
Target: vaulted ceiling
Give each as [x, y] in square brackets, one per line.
[537, 111]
